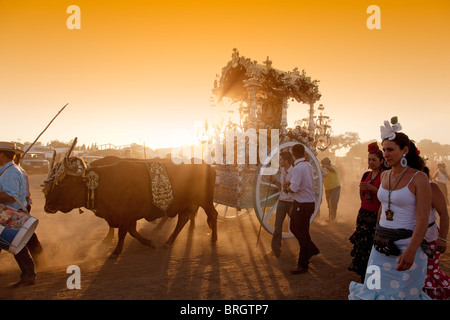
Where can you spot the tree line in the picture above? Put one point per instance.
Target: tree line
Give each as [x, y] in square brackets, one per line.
[350, 141]
[429, 150]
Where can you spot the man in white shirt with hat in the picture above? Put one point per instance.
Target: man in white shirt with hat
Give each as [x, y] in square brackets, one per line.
[13, 189]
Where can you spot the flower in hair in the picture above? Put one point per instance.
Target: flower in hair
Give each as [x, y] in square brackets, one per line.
[388, 131]
[373, 147]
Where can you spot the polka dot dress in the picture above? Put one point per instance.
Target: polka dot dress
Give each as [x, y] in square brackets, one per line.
[391, 284]
[437, 283]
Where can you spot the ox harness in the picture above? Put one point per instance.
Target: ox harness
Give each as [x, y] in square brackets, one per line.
[161, 187]
[92, 179]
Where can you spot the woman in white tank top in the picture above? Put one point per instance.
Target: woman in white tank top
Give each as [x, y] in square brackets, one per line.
[405, 197]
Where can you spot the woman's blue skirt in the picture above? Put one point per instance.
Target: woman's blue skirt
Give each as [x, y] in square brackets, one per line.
[384, 282]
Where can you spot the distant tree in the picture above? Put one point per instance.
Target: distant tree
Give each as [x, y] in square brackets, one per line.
[38, 143]
[58, 144]
[433, 151]
[359, 150]
[341, 141]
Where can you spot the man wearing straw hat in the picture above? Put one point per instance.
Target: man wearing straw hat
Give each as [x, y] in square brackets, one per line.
[13, 193]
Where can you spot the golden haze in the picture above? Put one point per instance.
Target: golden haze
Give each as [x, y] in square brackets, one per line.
[138, 71]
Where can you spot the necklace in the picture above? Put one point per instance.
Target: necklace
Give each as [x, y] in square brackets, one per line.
[389, 212]
[399, 176]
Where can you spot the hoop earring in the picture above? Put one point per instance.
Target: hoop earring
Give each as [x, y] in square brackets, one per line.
[404, 162]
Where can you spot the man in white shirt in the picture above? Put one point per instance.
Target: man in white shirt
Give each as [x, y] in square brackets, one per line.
[302, 189]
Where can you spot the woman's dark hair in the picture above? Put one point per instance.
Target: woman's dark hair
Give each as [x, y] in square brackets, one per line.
[413, 158]
[427, 171]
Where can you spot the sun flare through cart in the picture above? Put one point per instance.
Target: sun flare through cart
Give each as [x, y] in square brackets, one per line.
[253, 101]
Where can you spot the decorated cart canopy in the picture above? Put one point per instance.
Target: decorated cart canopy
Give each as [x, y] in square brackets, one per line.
[260, 94]
[264, 91]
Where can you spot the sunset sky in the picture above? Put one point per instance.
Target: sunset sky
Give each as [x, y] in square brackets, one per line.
[142, 71]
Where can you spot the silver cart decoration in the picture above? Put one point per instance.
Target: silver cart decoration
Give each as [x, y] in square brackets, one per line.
[257, 96]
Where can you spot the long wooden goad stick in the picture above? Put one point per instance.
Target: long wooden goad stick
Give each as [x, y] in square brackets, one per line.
[48, 125]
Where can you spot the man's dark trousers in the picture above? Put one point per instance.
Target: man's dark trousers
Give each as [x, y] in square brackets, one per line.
[300, 221]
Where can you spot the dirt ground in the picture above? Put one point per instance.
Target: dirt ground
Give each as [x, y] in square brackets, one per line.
[236, 268]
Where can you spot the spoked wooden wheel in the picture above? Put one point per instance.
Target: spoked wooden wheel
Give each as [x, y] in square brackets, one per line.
[266, 193]
[228, 213]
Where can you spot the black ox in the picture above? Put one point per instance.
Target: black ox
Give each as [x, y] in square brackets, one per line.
[123, 194]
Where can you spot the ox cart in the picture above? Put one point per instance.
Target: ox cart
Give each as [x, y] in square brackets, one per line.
[254, 97]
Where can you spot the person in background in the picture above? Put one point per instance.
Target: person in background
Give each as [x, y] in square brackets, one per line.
[332, 187]
[285, 202]
[441, 178]
[359, 173]
[127, 154]
[362, 238]
[437, 282]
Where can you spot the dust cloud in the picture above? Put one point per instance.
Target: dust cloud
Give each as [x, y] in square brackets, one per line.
[61, 234]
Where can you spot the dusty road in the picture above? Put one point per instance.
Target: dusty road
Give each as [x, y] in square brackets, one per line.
[236, 268]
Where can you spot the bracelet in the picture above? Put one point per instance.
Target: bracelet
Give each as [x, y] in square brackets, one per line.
[445, 240]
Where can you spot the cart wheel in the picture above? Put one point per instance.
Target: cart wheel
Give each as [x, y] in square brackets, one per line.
[266, 193]
[228, 213]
